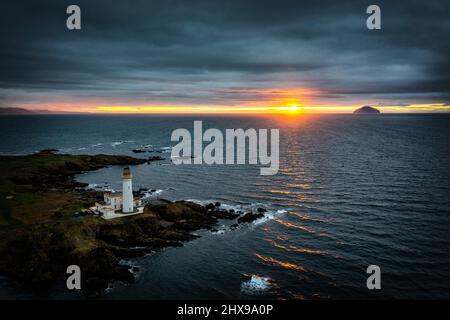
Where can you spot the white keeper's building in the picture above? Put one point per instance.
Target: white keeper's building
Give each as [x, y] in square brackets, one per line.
[117, 204]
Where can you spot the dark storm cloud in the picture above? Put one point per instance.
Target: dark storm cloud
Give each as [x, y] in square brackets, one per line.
[194, 51]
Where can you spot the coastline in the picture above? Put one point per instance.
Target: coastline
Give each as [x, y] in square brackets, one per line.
[36, 247]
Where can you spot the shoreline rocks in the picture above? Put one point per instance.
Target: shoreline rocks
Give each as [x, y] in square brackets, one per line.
[250, 217]
[36, 250]
[37, 256]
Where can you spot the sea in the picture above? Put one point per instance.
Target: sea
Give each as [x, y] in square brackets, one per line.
[352, 191]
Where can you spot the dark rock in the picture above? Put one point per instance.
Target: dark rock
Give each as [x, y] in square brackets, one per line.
[57, 214]
[47, 151]
[95, 284]
[217, 204]
[367, 110]
[155, 158]
[37, 254]
[138, 151]
[261, 210]
[250, 217]
[224, 214]
[122, 273]
[135, 269]
[77, 184]
[210, 206]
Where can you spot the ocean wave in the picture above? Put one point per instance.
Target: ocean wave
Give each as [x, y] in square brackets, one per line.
[306, 217]
[96, 145]
[219, 232]
[293, 225]
[274, 262]
[256, 285]
[150, 194]
[292, 248]
[94, 186]
[270, 215]
[165, 149]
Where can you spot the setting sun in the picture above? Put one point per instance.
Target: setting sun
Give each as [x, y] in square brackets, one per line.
[291, 109]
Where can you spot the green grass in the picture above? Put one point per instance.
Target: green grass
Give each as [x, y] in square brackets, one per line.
[26, 197]
[28, 179]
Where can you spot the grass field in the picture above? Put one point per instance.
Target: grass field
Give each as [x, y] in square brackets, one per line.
[38, 188]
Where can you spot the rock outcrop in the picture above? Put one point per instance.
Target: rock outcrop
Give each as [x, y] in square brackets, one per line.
[42, 236]
[367, 110]
[37, 256]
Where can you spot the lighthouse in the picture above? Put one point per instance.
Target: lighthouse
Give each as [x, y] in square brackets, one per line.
[127, 191]
[120, 204]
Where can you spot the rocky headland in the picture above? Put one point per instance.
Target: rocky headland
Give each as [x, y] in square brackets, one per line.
[42, 231]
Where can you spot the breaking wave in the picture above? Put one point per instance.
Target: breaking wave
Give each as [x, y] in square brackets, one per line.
[256, 285]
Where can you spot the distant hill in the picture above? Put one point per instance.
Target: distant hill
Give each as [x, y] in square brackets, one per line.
[18, 111]
[367, 110]
[14, 111]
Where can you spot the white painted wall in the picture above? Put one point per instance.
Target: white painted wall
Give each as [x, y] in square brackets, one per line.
[127, 193]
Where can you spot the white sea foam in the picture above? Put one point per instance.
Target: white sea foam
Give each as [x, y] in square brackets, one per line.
[256, 285]
[94, 186]
[234, 207]
[149, 194]
[109, 289]
[268, 216]
[96, 145]
[166, 149]
[117, 143]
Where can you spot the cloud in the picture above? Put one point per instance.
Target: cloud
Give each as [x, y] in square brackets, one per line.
[197, 52]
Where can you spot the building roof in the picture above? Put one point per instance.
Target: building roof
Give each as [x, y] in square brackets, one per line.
[113, 194]
[126, 173]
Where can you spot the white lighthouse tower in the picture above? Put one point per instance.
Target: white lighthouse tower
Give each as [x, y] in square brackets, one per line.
[127, 191]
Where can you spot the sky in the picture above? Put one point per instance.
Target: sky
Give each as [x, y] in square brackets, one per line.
[229, 56]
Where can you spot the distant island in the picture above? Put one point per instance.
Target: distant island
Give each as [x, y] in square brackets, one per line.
[366, 110]
[23, 111]
[14, 111]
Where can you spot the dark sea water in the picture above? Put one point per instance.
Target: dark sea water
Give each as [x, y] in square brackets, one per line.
[351, 191]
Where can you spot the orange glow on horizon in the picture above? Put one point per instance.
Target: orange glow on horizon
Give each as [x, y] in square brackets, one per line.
[276, 102]
[290, 102]
[290, 110]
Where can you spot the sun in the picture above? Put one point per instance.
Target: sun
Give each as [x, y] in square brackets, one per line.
[291, 109]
